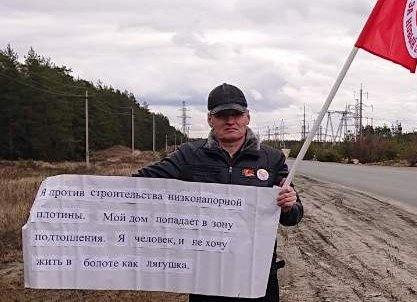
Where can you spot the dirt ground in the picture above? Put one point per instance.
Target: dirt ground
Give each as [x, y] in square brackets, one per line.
[349, 247]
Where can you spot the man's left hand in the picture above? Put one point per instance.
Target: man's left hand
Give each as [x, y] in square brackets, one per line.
[286, 198]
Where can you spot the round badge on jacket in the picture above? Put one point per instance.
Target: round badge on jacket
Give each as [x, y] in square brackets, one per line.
[262, 174]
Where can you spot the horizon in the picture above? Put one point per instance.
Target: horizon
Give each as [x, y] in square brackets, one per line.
[282, 55]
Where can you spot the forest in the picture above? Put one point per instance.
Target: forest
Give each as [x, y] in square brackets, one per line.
[42, 112]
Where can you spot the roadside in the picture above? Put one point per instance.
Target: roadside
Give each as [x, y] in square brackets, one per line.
[395, 183]
[349, 247]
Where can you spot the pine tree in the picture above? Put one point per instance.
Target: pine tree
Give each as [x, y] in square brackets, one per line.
[42, 112]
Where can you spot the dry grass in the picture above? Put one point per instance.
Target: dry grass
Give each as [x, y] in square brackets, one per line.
[350, 246]
[19, 181]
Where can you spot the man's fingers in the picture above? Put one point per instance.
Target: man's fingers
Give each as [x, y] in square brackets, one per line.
[285, 195]
[286, 198]
[283, 191]
[286, 189]
[286, 201]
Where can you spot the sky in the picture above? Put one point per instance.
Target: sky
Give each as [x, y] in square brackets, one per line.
[284, 55]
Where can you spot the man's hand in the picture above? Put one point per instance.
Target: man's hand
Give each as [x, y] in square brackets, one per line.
[286, 198]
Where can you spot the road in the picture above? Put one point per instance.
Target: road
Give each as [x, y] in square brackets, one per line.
[396, 183]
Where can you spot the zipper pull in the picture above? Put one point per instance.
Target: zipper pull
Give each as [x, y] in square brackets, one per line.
[230, 174]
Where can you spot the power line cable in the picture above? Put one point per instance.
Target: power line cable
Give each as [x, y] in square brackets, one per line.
[41, 89]
[60, 83]
[51, 91]
[113, 113]
[54, 81]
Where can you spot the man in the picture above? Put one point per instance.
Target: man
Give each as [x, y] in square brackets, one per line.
[232, 155]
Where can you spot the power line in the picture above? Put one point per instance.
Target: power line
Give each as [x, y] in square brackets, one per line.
[41, 89]
[60, 94]
[63, 85]
[46, 78]
[113, 113]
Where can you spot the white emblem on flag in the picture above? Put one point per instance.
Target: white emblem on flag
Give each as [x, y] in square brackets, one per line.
[410, 27]
[262, 174]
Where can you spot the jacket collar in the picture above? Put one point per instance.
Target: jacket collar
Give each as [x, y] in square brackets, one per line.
[252, 144]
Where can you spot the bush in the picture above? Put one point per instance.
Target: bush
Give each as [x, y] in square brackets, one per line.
[296, 149]
[376, 145]
[409, 153]
[321, 151]
[375, 150]
[329, 155]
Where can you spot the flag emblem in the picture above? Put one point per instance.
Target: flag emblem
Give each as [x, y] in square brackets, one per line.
[248, 172]
[262, 174]
[410, 27]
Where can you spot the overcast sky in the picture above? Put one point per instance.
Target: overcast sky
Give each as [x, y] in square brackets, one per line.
[282, 54]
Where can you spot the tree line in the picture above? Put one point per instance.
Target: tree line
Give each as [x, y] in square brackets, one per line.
[42, 112]
[375, 144]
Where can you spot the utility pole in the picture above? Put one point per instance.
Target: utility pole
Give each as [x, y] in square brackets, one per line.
[342, 126]
[87, 153]
[166, 142]
[360, 112]
[346, 121]
[275, 133]
[153, 132]
[282, 134]
[184, 125]
[319, 134]
[133, 131]
[303, 130]
[329, 121]
[11, 131]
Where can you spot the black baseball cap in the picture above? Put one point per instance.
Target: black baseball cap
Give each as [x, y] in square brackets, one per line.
[226, 97]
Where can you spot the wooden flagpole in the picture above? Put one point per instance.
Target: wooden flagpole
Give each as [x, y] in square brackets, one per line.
[323, 111]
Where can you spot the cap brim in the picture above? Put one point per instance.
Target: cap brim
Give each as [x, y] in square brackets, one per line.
[228, 107]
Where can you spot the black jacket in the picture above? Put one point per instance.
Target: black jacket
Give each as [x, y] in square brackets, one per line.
[205, 161]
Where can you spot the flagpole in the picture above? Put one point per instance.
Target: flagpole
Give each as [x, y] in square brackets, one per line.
[323, 111]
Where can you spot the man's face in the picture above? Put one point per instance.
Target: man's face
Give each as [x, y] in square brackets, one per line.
[229, 125]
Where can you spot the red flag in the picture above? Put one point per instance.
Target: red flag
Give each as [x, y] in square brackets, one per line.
[391, 32]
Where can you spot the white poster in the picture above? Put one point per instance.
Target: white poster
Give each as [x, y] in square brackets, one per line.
[127, 233]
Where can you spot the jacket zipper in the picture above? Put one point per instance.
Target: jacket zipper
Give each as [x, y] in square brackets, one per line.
[230, 174]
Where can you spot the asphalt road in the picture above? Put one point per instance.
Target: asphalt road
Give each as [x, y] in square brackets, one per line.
[399, 184]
